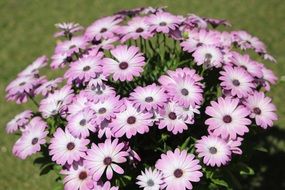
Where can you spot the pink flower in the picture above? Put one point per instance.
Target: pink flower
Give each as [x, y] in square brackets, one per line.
[67, 28]
[71, 46]
[150, 179]
[228, 118]
[179, 169]
[269, 78]
[78, 104]
[128, 64]
[214, 151]
[33, 69]
[105, 156]
[19, 121]
[262, 109]
[131, 121]
[246, 41]
[65, 148]
[210, 56]
[48, 87]
[105, 186]
[95, 92]
[59, 60]
[148, 98]
[237, 80]
[32, 138]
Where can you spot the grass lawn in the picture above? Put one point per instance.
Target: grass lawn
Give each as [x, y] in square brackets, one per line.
[27, 29]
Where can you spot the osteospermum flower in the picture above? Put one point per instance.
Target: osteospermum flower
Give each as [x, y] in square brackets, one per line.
[214, 151]
[71, 46]
[48, 87]
[262, 109]
[105, 156]
[33, 69]
[209, 56]
[19, 121]
[59, 60]
[67, 29]
[84, 69]
[95, 92]
[268, 78]
[131, 121]
[172, 119]
[80, 125]
[129, 62]
[32, 138]
[77, 177]
[163, 22]
[105, 186]
[237, 80]
[179, 169]
[150, 179]
[65, 148]
[227, 118]
[148, 98]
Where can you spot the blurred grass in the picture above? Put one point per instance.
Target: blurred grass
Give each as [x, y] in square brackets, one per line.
[26, 32]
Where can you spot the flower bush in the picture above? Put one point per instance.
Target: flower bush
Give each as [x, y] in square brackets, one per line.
[148, 99]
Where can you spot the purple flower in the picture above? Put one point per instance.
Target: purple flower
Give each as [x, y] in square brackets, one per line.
[71, 46]
[48, 87]
[210, 56]
[150, 179]
[67, 28]
[179, 169]
[105, 186]
[19, 121]
[33, 69]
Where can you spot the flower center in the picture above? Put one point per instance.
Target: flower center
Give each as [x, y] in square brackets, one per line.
[244, 67]
[257, 110]
[102, 110]
[184, 92]
[123, 65]
[82, 122]
[83, 175]
[213, 150]
[227, 119]
[86, 68]
[236, 82]
[70, 146]
[68, 59]
[150, 183]
[131, 120]
[103, 30]
[162, 24]
[107, 161]
[172, 115]
[35, 141]
[22, 83]
[72, 46]
[178, 173]
[139, 30]
[95, 42]
[149, 99]
[208, 58]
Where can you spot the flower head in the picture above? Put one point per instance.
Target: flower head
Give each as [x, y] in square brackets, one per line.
[19, 121]
[150, 179]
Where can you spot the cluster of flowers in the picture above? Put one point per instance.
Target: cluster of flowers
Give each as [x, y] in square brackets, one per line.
[94, 125]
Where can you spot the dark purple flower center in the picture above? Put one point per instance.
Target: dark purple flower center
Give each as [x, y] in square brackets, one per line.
[227, 119]
[208, 58]
[150, 183]
[70, 146]
[123, 65]
[103, 30]
[83, 175]
[184, 92]
[102, 110]
[95, 42]
[236, 82]
[107, 161]
[139, 30]
[82, 122]
[86, 68]
[131, 120]
[172, 115]
[72, 46]
[257, 110]
[178, 173]
[22, 83]
[68, 59]
[35, 141]
[162, 24]
[149, 99]
[213, 150]
[244, 67]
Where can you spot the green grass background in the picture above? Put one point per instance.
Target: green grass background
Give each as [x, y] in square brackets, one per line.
[26, 31]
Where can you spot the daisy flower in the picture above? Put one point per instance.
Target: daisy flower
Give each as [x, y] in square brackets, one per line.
[237, 80]
[67, 29]
[32, 138]
[19, 121]
[210, 56]
[48, 87]
[163, 22]
[105, 129]
[193, 21]
[105, 156]
[262, 109]
[71, 46]
[33, 69]
[234, 145]
[150, 179]
[78, 104]
[214, 151]
[179, 169]
[246, 41]
[77, 177]
[148, 98]
[105, 186]
[127, 64]
[84, 69]
[188, 113]
[95, 92]
[103, 28]
[59, 60]
[227, 118]
[171, 117]
[79, 124]
[137, 27]
[269, 77]
[131, 121]
[104, 43]
[65, 148]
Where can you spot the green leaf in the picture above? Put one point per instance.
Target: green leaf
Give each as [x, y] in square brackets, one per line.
[185, 143]
[247, 171]
[220, 182]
